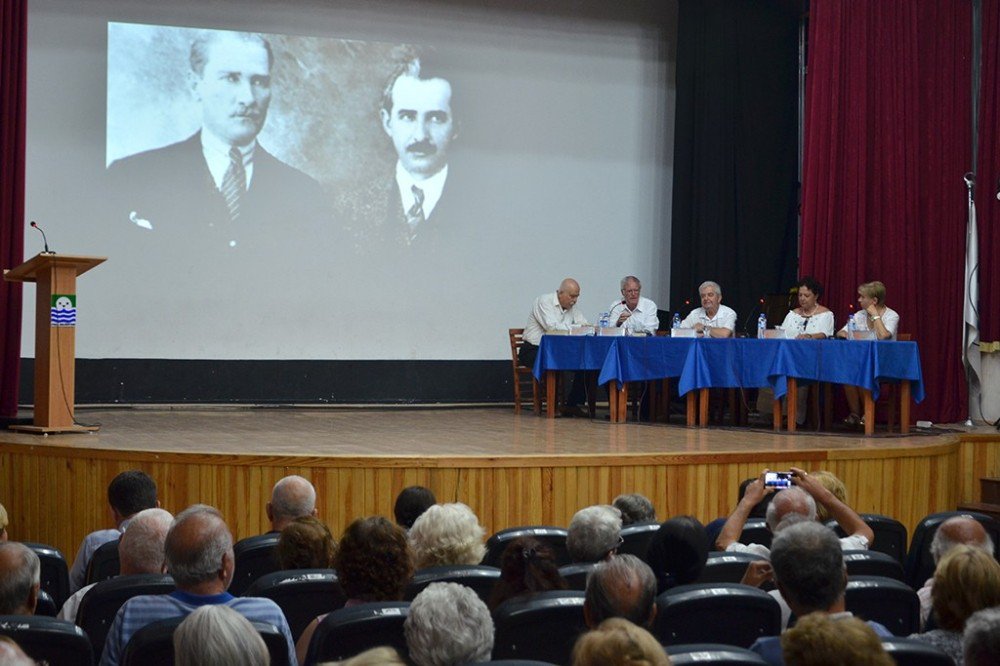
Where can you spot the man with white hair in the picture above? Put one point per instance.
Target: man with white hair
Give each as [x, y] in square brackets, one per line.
[624, 586]
[956, 531]
[448, 624]
[981, 639]
[712, 319]
[140, 551]
[292, 497]
[199, 555]
[634, 313]
[20, 579]
[594, 533]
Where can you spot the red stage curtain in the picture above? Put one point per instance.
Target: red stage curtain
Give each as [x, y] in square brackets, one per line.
[988, 178]
[13, 47]
[887, 141]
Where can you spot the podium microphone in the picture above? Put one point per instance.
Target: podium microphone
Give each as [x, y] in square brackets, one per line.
[45, 241]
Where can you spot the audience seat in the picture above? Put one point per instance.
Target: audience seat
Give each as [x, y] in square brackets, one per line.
[481, 579]
[722, 567]
[576, 574]
[153, 645]
[713, 653]
[554, 537]
[302, 594]
[100, 605]
[872, 563]
[46, 639]
[755, 531]
[45, 607]
[636, 538]
[727, 613]
[890, 534]
[887, 601]
[350, 631]
[55, 573]
[919, 563]
[544, 627]
[907, 652]
[254, 557]
[104, 563]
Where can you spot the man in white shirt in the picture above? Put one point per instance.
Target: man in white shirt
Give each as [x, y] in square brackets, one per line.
[712, 319]
[634, 313]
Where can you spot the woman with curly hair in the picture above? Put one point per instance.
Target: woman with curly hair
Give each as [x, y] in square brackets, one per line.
[373, 564]
[305, 543]
[527, 566]
[447, 534]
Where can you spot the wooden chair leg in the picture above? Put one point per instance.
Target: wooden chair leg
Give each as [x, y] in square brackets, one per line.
[536, 396]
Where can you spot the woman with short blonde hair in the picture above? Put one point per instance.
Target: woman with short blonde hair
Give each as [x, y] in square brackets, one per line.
[618, 642]
[446, 534]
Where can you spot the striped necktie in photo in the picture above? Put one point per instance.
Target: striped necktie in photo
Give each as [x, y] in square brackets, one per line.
[415, 215]
[234, 183]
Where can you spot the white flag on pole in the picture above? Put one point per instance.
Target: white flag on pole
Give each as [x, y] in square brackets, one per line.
[970, 336]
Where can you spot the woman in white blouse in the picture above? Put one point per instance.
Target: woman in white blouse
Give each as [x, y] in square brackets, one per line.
[810, 319]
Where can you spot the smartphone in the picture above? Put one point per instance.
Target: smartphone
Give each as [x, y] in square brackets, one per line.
[778, 480]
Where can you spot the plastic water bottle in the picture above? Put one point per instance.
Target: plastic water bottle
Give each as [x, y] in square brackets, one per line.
[852, 326]
[605, 320]
[677, 320]
[761, 325]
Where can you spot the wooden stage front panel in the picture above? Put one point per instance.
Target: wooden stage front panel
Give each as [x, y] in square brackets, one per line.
[512, 470]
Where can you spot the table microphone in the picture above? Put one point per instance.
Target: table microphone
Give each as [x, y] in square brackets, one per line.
[45, 241]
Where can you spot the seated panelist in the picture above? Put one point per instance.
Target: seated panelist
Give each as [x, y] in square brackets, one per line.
[634, 313]
[712, 319]
[810, 319]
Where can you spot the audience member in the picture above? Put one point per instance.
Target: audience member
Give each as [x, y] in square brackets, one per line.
[292, 497]
[527, 567]
[953, 532]
[20, 579]
[636, 509]
[3, 523]
[448, 624]
[967, 580]
[808, 565]
[981, 639]
[677, 552]
[618, 642]
[623, 586]
[128, 493]
[411, 502]
[447, 534]
[379, 656]
[594, 533]
[819, 639]
[829, 481]
[140, 551]
[373, 563]
[218, 636]
[305, 543]
[759, 510]
[11, 653]
[801, 499]
[199, 555]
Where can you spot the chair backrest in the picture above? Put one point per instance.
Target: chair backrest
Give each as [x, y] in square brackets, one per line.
[544, 627]
[727, 613]
[888, 601]
[906, 652]
[576, 574]
[302, 594]
[45, 607]
[55, 573]
[755, 530]
[723, 567]
[100, 605]
[350, 631]
[890, 534]
[713, 653]
[104, 563]
[872, 563]
[636, 538]
[153, 645]
[554, 537]
[516, 336]
[481, 579]
[919, 562]
[48, 639]
[254, 557]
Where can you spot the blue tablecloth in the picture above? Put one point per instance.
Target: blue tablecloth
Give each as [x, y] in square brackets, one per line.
[722, 363]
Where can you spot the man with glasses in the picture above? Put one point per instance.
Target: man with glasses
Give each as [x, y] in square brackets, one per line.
[634, 313]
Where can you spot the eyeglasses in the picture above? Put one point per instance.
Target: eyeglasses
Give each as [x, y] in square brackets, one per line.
[621, 542]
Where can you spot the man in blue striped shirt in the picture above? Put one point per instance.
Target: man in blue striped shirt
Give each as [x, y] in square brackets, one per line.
[199, 556]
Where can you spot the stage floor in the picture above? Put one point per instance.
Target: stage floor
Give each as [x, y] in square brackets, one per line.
[458, 432]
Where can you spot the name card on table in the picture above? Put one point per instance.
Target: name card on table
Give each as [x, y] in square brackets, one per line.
[862, 334]
[611, 331]
[683, 333]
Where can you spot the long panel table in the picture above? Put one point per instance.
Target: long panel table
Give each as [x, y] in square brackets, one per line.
[701, 364]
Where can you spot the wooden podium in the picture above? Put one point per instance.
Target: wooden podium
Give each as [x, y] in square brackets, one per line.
[55, 337]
